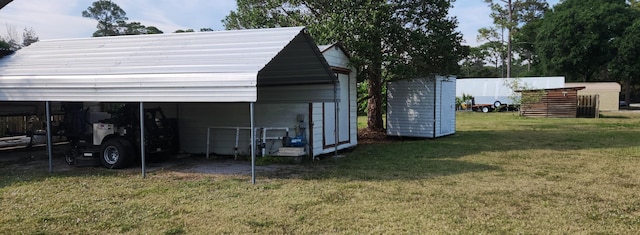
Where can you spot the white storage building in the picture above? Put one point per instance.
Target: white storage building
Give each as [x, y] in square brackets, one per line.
[423, 107]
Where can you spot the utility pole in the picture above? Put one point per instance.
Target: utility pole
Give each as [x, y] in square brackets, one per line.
[509, 28]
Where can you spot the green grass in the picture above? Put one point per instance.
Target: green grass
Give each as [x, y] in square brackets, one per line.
[499, 174]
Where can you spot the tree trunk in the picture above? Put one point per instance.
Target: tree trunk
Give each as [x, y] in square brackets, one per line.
[374, 106]
[627, 92]
[374, 75]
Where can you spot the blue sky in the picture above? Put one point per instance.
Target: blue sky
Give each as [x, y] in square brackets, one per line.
[63, 18]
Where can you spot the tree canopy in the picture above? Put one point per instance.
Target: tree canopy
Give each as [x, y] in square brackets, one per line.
[387, 40]
[112, 20]
[29, 37]
[13, 42]
[577, 37]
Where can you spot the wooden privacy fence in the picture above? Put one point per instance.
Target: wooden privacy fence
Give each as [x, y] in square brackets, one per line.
[552, 102]
[14, 125]
[588, 106]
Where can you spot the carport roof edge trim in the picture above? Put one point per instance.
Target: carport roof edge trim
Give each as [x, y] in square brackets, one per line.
[162, 66]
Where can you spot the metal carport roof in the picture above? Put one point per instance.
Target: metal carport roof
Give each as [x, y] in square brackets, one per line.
[222, 66]
[259, 65]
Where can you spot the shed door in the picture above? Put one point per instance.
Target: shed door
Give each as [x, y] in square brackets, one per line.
[447, 109]
[330, 115]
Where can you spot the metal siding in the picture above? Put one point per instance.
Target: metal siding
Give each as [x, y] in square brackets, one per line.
[317, 117]
[296, 94]
[410, 108]
[336, 57]
[298, 60]
[447, 103]
[196, 117]
[437, 109]
[220, 66]
[354, 108]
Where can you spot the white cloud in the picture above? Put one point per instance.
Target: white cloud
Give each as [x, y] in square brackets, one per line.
[49, 19]
[63, 18]
[172, 15]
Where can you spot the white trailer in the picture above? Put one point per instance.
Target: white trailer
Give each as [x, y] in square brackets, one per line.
[493, 92]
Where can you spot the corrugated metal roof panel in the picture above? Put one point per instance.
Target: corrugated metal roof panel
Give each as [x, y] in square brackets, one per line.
[205, 66]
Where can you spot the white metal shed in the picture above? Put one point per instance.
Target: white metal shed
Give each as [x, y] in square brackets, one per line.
[423, 107]
[243, 66]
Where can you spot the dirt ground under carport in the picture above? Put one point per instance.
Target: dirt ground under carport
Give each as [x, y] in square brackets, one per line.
[36, 159]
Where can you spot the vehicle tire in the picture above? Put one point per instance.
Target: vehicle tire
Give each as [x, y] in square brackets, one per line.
[485, 109]
[497, 104]
[71, 156]
[115, 154]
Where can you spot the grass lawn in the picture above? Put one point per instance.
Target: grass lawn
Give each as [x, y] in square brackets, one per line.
[499, 173]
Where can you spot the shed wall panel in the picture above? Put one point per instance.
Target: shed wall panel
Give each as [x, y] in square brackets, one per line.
[421, 107]
[196, 117]
[411, 107]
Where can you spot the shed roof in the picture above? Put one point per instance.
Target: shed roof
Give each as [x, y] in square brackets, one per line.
[222, 66]
[325, 48]
[577, 88]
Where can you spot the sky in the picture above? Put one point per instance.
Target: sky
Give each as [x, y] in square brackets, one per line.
[63, 18]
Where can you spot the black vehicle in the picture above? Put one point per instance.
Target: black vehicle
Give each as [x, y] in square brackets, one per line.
[114, 138]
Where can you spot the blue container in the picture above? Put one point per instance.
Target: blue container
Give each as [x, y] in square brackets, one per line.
[297, 141]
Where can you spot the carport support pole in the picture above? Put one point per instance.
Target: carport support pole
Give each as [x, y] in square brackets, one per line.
[142, 150]
[49, 142]
[253, 146]
[336, 129]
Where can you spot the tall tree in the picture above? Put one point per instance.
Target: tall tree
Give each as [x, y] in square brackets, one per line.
[473, 65]
[109, 16]
[387, 39]
[510, 15]
[626, 64]
[136, 28]
[112, 20]
[184, 31]
[576, 37]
